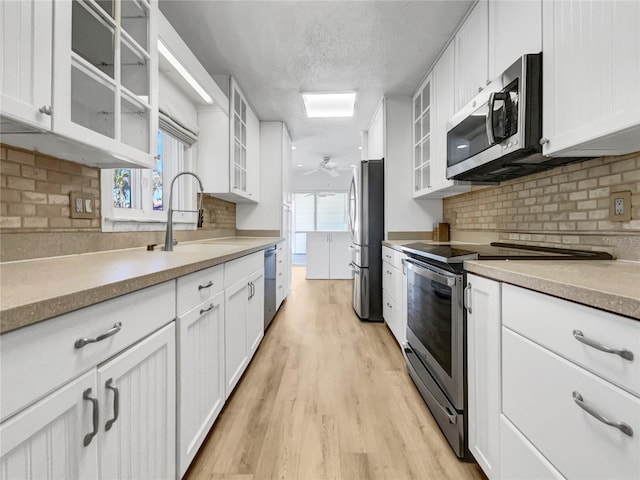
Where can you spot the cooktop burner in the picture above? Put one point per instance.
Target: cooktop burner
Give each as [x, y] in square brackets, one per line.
[457, 253]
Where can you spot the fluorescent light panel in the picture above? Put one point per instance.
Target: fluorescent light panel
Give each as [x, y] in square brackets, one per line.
[329, 104]
[166, 53]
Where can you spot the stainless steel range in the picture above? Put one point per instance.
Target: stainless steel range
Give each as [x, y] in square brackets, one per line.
[436, 323]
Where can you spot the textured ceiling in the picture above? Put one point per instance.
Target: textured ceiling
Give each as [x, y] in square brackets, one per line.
[277, 49]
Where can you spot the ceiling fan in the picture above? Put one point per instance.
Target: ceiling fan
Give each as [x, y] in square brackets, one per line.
[326, 165]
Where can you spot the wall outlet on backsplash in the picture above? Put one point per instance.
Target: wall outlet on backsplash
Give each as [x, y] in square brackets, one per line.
[620, 206]
[82, 205]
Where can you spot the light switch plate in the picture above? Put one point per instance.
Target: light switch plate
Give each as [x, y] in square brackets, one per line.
[82, 205]
[620, 206]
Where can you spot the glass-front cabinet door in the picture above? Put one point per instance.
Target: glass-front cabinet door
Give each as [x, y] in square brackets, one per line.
[422, 139]
[238, 129]
[105, 76]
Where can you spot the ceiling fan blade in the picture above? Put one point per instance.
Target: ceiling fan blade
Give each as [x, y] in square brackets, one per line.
[333, 173]
[310, 172]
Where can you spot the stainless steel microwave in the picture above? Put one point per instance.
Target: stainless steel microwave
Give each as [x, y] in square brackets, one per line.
[496, 136]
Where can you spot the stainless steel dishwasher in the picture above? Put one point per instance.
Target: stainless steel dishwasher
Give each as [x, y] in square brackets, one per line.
[269, 286]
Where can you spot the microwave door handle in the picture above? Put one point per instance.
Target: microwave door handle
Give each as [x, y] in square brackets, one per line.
[489, 119]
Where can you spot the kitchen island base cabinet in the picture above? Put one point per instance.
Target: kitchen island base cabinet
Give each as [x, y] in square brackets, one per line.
[116, 421]
[201, 378]
[328, 255]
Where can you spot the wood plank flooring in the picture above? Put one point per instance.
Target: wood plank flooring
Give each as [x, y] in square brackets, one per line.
[326, 397]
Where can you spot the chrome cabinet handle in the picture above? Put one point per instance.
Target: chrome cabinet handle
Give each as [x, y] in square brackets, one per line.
[624, 353]
[389, 305]
[46, 110]
[467, 298]
[96, 416]
[202, 287]
[81, 342]
[543, 141]
[205, 310]
[116, 404]
[623, 427]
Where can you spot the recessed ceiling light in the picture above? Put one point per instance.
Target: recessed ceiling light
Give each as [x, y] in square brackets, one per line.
[293, 147]
[329, 104]
[166, 53]
[360, 148]
[299, 165]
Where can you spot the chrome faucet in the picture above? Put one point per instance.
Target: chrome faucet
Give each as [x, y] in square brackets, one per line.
[168, 238]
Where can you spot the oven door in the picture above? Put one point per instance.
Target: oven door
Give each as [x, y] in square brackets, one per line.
[435, 325]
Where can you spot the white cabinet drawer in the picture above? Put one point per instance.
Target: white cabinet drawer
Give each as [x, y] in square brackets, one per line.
[392, 313]
[538, 398]
[519, 460]
[237, 269]
[394, 257]
[551, 322]
[39, 358]
[392, 281]
[195, 288]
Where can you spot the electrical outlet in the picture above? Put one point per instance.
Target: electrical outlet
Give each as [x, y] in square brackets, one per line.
[620, 206]
[82, 205]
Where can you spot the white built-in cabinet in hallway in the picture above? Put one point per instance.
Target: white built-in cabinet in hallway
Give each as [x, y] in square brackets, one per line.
[482, 301]
[328, 255]
[86, 71]
[591, 65]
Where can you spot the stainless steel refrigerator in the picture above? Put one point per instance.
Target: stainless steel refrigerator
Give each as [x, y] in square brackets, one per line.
[366, 222]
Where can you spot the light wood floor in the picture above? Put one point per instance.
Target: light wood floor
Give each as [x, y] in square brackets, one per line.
[326, 396]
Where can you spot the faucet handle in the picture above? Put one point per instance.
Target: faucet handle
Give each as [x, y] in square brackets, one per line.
[200, 218]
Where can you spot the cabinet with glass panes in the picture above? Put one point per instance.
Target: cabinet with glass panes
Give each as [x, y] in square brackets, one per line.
[422, 139]
[105, 77]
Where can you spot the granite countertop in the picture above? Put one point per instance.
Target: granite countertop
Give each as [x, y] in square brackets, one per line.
[611, 285]
[35, 290]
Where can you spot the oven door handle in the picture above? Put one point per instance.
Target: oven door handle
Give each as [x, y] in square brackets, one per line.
[424, 271]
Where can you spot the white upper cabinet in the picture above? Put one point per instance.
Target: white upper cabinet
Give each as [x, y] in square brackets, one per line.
[472, 54]
[25, 59]
[515, 29]
[422, 138]
[98, 85]
[229, 149]
[591, 82]
[443, 109]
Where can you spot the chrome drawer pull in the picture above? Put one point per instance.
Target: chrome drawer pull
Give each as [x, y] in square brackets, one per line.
[205, 310]
[81, 342]
[623, 427]
[202, 287]
[467, 297]
[626, 354]
[96, 416]
[116, 403]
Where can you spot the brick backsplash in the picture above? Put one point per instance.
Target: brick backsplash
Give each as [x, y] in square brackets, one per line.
[34, 210]
[566, 207]
[34, 192]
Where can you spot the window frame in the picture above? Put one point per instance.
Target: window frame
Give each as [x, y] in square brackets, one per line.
[145, 218]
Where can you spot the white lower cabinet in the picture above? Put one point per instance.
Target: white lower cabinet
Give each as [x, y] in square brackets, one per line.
[482, 302]
[244, 314]
[255, 311]
[46, 440]
[201, 377]
[394, 293]
[116, 421]
[519, 459]
[137, 429]
[235, 335]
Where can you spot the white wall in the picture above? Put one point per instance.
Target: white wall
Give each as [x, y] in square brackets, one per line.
[320, 181]
[402, 212]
